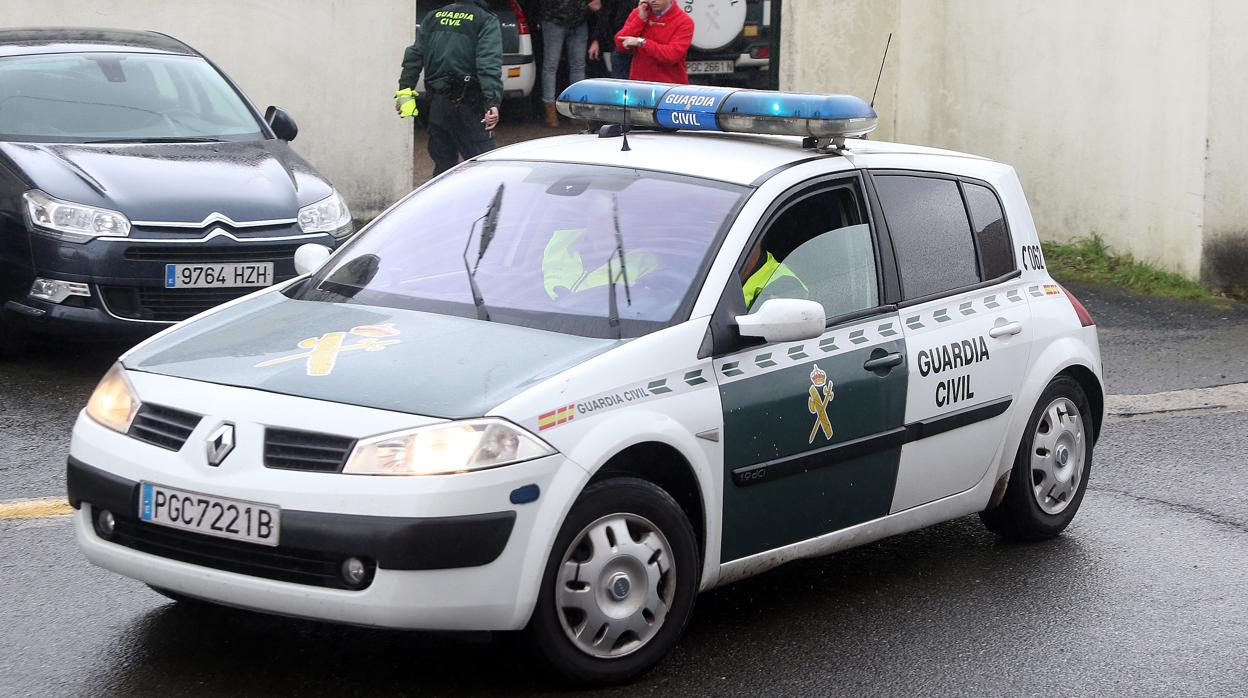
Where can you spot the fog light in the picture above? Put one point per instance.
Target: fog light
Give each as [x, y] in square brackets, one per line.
[353, 571]
[105, 523]
[55, 291]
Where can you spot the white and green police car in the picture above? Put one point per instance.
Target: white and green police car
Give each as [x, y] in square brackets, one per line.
[572, 383]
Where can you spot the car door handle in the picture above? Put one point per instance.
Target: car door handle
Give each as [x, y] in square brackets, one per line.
[883, 363]
[1006, 330]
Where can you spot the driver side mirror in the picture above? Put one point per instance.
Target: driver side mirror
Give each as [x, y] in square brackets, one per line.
[784, 320]
[283, 126]
[310, 257]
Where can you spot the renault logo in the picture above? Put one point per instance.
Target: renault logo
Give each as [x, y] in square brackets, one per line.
[220, 443]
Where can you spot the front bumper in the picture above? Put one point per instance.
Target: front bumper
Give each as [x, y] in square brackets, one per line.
[127, 276]
[308, 537]
[445, 552]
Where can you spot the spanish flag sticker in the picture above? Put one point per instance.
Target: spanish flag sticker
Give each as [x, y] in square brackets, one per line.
[554, 418]
[1052, 289]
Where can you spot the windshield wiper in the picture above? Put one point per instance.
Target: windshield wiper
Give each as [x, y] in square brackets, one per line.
[160, 139]
[613, 304]
[487, 236]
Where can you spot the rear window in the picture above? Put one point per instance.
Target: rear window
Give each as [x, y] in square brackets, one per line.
[931, 233]
[996, 254]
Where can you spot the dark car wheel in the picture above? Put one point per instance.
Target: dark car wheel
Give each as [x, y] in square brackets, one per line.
[619, 586]
[12, 340]
[1051, 468]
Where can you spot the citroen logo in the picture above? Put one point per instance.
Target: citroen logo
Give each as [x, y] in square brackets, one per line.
[220, 443]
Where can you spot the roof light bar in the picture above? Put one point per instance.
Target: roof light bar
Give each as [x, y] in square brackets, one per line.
[706, 108]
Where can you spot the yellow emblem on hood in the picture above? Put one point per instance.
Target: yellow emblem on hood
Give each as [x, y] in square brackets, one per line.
[322, 352]
[821, 394]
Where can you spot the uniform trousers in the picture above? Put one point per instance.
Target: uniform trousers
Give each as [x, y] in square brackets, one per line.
[455, 130]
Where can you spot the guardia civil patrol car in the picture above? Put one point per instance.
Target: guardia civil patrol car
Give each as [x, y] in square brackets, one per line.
[573, 382]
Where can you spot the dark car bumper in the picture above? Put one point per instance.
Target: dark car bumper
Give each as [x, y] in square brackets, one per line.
[126, 277]
[313, 544]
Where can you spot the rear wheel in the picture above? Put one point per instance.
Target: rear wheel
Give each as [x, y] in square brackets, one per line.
[1051, 468]
[620, 584]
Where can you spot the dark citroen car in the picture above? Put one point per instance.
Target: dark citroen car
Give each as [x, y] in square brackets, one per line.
[139, 186]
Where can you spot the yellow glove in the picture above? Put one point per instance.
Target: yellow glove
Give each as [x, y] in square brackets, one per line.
[405, 102]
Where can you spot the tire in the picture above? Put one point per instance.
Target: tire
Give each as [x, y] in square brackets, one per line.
[1046, 486]
[12, 340]
[639, 633]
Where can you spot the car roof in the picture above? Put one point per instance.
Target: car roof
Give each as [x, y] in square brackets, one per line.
[39, 40]
[730, 157]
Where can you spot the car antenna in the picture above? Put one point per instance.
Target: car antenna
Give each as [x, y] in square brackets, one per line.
[613, 303]
[624, 148]
[881, 73]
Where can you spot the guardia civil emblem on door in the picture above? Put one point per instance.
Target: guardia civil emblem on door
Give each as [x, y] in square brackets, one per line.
[821, 394]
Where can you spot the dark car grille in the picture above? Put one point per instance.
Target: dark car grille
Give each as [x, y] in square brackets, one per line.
[287, 449]
[205, 253]
[278, 563]
[166, 304]
[163, 426]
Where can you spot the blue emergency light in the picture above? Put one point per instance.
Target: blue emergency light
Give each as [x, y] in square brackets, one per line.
[707, 108]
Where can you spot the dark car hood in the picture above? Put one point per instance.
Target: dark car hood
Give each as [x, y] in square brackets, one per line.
[401, 360]
[176, 182]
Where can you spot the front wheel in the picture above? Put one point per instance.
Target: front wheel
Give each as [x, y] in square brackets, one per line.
[1051, 468]
[619, 586]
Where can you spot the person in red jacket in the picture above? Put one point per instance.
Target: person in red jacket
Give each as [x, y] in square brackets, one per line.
[657, 34]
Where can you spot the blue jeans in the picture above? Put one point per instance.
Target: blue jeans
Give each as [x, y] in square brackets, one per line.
[621, 63]
[554, 37]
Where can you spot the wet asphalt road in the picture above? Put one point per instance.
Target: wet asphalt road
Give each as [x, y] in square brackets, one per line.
[1145, 593]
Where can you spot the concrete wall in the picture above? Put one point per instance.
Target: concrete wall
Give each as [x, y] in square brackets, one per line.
[1121, 120]
[333, 64]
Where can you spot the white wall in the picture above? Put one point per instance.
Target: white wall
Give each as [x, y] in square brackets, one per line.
[1123, 119]
[333, 64]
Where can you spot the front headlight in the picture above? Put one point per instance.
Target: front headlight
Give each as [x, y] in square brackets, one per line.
[73, 222]
[329, 215]
[456, 447]
[113, 403]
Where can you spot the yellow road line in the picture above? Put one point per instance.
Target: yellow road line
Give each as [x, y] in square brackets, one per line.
[34, 508]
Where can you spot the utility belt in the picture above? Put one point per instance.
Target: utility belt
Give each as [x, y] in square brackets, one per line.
[456, 87]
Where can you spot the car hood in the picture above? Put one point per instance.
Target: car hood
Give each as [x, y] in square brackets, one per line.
[407, 361]
[174, 182]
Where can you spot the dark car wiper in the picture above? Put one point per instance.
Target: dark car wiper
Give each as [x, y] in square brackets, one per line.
[487, 236]
[613, 304]
[159, 139]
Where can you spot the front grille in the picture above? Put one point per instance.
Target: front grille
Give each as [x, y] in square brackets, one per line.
[287, 449]
[166, 304]
[196, 253]
[278, 563]
[163, 426]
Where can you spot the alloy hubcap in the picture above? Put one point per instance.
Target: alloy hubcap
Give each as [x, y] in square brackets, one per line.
[1057, 458]
[615, 585]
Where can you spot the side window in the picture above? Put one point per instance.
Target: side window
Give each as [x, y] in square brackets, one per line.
[930, 231]
[996, 254]
[818, 248]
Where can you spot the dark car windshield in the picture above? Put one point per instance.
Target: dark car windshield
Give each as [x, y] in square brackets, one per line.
[547, 264]
[118, 96]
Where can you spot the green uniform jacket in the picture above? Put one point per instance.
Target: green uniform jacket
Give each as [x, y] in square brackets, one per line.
[462, 38]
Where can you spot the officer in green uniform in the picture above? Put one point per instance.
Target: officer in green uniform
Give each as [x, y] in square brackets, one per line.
[770, 275]
[460, 48]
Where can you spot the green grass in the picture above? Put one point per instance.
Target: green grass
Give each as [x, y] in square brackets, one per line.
[1090, 259]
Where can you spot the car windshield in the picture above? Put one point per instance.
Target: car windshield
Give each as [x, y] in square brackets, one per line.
[82, 97]
[554, 250]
